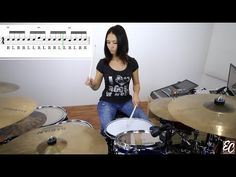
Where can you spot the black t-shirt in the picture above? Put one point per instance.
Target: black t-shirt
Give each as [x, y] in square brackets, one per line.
[117, 82]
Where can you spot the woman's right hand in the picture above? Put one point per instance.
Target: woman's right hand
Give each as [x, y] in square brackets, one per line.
[89, 82]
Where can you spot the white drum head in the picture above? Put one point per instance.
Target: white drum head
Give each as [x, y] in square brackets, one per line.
[54, 114]
[127, 124]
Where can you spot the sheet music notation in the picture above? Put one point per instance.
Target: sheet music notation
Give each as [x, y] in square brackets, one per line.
[55, 40]
[42, 38]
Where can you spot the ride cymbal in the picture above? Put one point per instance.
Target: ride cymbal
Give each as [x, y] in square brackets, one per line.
[68, 138]
[34, 120]
[6, 87]
[159, 107]
[202, 113]
[14, 109]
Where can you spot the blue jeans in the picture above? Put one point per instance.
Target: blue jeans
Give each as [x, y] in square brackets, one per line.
[107, 112]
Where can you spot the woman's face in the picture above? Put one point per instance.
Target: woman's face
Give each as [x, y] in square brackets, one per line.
[112, 43]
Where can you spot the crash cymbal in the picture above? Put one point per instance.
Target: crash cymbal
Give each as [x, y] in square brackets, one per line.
[66, 138]
[34, 120]
[14, 109]
[6, 87]
[159, 107]
[202, 113]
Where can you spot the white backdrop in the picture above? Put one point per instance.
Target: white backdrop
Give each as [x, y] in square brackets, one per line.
[222, 50]
[166, 53]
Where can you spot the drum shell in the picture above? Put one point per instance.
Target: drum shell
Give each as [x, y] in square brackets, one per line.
[137, 142]
[123, 125]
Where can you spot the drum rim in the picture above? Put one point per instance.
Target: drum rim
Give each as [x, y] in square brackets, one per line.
[51, 106]
[113, 136]
[64, 116]
[76, 120]
[127, 146]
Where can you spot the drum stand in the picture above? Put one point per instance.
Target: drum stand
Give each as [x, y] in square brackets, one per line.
[166, 138]
[213, 145]
[186, 146]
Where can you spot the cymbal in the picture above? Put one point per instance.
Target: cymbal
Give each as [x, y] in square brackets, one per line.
[34, 120]
[6, 87]
[68, 138]
[159, 107]
[200, 112]
[14, 109]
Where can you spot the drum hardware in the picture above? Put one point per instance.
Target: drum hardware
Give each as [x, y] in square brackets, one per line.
[213, 145]
[6, 87]
[14, 109]
[120, 125]
[202, 113]
[65, 138]
[167, 131]
[210, 113]
[136, 142]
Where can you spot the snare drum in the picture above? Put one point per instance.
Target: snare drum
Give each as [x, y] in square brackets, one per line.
[54, 114]
[137, 142]
[123, 125]
[77, 121]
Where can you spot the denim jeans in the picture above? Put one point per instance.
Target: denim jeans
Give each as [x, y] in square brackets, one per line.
[107, 112]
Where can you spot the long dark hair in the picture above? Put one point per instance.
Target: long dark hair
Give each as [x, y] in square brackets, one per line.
[122, 44]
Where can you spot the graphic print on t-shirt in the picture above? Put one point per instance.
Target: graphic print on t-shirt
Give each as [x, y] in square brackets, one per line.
[119, 87]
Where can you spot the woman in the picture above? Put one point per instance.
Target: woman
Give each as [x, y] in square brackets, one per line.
[117, 69]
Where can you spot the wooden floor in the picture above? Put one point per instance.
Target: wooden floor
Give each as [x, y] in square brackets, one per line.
[89, 113]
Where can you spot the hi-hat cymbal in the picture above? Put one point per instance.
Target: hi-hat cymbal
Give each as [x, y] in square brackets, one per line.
[34, 120]
[200, 112]
[159, 107]
[14, 109]
[68, 138]
[6, 87]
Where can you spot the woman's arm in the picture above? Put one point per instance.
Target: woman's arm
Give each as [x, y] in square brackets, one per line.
[136, 87]
[96, 82]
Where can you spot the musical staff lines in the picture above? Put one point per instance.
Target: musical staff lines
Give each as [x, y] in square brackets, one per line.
[46, 40]
[42, 38]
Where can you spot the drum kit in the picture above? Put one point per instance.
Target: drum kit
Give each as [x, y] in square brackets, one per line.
[28, 129]
[212, 114]
[130, 136]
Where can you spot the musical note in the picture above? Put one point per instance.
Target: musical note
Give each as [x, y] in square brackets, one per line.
[46, 40]
[80, 35]
[57, 35]
[37, 36]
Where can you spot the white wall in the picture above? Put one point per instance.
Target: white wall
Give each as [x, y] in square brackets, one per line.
[222, 52]
[166, 53]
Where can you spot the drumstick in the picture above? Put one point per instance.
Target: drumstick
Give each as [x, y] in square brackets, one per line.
[91, 64]
[133, 111]
[129, 121]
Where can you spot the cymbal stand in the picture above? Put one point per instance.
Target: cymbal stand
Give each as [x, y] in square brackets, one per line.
[211, 144]
[193, 146]
[165, 137]
[209, 148]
